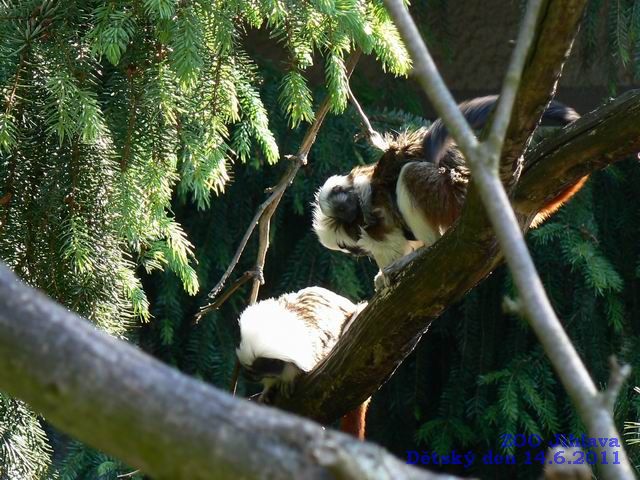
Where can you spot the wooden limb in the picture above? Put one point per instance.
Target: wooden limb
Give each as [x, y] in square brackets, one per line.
[609, 132]
[557, 26]
[617, 376]
[116, 398]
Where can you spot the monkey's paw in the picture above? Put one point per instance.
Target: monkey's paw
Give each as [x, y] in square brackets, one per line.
[389, 274]
[381, 281]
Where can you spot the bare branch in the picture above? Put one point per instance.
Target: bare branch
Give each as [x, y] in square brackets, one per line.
[556, 28]
[267, 208]
[495, 139]
[617, 377]
[120, 400]
[374, 138]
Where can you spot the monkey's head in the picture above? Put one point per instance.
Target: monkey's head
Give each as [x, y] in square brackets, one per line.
[338, 199]
[342, 210]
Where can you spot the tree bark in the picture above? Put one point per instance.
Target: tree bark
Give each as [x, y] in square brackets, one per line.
[557, 27]
[114, 397]
[395, 319]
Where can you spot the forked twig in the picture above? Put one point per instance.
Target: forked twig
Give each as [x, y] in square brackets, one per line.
[263, 216]
[278, 191]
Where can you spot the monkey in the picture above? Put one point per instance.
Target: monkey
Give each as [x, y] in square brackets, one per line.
[284, 337]
[412, 194]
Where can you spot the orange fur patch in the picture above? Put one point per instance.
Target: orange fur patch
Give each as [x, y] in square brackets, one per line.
[355, 421]
[553, 206]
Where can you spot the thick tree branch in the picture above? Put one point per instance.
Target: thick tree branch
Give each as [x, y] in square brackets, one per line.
[393, 322]
[556, 28]
[610, 132]
[114, 397]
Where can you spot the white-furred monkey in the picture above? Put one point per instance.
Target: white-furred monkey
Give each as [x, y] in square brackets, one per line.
[412, 195]
[281, 338]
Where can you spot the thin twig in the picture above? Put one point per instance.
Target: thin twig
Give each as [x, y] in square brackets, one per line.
[129, 475]
[299, 159]
[617, 376]
[511, 83]
[536, 306]
[244, 278]
[373, 137]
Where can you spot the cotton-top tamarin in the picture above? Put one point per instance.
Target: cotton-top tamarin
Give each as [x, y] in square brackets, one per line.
[281, 338]
[413, 194]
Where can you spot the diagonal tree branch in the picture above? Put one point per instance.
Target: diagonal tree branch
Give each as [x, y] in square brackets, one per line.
[388, 329]
[116, 398]
[556, 28]
[610, 132]
[512, 82]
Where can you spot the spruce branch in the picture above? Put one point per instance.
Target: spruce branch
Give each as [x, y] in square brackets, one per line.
[124, 402]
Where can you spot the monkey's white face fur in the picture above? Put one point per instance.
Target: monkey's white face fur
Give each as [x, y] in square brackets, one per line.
[329, 231]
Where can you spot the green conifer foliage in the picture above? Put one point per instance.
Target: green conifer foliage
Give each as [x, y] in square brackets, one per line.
[109, 108]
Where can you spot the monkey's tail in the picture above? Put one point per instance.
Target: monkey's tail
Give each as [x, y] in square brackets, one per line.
[563, 114]
[355, 421]
[564, 196]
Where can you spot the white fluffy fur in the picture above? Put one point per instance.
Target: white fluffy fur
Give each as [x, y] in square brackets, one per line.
[394, 246]
[423, 230]
[330, 236]
[325, 190]
[271, 331]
